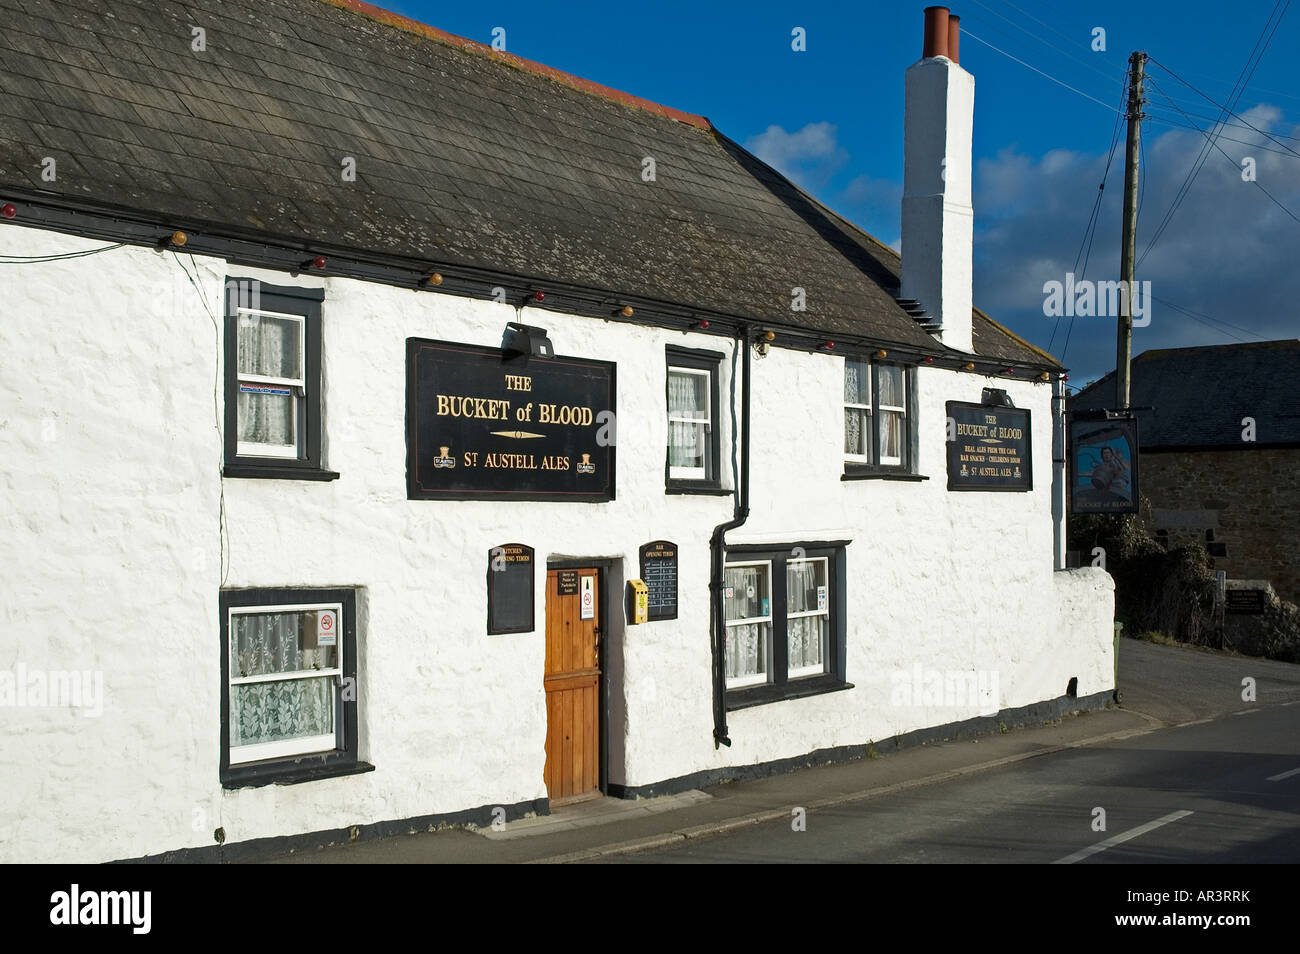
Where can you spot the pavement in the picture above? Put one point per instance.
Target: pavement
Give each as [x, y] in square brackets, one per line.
[1161, 686]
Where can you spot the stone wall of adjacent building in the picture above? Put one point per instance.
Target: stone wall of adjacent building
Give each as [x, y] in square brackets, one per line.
[1243, 504]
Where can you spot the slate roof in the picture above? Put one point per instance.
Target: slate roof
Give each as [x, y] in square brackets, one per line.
[464, 157]
[1200, 395]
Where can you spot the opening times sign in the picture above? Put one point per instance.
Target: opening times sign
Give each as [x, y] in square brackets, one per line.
[988, 448]
[483, 427]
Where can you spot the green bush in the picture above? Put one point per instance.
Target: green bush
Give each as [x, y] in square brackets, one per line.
[1167, 591]
[1172, 591]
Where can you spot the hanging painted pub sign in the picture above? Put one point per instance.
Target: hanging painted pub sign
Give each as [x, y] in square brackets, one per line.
[481, 426]
[1103, 465]
[988, 448]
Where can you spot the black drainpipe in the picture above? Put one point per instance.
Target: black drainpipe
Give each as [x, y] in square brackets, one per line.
[717, 622]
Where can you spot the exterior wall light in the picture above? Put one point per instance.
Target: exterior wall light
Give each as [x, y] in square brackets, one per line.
[526, 339]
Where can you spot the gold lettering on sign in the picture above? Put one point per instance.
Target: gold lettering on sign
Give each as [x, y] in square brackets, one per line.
[564, 414]
[487, 408]
[511, 461]
[518, 382]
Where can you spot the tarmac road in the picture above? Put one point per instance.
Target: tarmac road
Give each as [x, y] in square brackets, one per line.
[1229, 773]
[1183, 740]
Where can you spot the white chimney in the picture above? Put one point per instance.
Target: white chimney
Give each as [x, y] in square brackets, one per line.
[937, 216]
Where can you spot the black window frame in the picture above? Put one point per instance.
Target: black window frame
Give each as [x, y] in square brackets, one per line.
[288, 300]
[779, 687]
[294, 769]
[698, 360]
[907, 470]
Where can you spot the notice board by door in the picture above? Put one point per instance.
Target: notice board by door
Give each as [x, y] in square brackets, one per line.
[572, 684]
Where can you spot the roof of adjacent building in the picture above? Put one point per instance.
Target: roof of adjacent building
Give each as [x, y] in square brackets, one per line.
[464, 156]
[1199, 397]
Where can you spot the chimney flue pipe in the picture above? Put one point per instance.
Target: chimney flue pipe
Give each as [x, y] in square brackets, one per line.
[937, 32]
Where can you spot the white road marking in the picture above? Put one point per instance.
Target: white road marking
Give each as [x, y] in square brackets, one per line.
[1278, 778]
[1121, 838]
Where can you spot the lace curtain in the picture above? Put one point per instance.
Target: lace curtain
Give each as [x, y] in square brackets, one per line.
[746, 648]
[687, 398]
[267, 347]
[891, 435]
[267, 643]
[857, 438]
[889, 380]
[805, 635]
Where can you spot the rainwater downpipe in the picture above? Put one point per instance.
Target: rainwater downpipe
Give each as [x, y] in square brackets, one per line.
[1059, 527]
[717, 545]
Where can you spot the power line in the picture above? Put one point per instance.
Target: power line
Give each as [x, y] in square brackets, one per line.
[1209, 320]
[1090, 230]
[1225, 108]
[1199, 162]
[1036, 69]
[59, 257]
[1194, 115]
[1222, 138]
[1038, 21]
[1259, 89]
[1087, 66]
[223, 528]
[1237, 165]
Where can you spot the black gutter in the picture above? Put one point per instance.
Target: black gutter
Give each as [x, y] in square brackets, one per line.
[718, 622]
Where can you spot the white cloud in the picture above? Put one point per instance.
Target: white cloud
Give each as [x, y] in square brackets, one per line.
[809, 156]
[1229, 252]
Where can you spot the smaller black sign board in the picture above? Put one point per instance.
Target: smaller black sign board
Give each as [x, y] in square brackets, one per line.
[510, 589]
[659, 573]
[1244, 601]
[566, 583]
[988, 448]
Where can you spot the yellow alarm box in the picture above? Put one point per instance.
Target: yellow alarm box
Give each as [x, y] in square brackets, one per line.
[639, 600]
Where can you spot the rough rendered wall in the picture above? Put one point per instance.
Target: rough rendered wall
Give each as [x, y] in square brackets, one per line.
[112, 558]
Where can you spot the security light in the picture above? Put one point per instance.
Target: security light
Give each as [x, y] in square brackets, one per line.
[996, 397]
[526, 339]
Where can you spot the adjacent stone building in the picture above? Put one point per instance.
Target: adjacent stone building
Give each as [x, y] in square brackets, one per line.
[1219, 458]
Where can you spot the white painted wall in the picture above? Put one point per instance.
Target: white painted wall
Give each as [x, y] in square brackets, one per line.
[111, 557]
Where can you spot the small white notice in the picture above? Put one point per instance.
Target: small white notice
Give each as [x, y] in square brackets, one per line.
[821, 598]
[588, 597]
[327, 625]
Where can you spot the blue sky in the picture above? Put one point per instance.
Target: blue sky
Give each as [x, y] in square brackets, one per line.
[831, 118]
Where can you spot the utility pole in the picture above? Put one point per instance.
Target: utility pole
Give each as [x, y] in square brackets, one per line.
[1127, 256]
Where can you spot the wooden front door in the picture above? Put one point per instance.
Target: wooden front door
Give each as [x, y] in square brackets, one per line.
[572, 684]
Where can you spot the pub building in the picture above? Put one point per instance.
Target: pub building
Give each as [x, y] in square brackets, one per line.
[563, 449]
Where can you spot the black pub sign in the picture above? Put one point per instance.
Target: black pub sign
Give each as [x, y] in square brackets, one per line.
[480, 426]
[988, 448]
